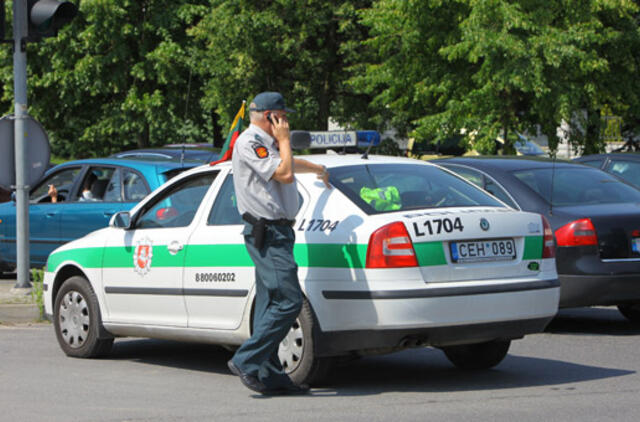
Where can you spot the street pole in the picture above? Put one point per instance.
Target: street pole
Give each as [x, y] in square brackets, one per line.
[20, 114]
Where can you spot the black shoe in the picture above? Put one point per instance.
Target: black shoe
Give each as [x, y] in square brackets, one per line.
[291, 390]
[249, 381]
[297, 389]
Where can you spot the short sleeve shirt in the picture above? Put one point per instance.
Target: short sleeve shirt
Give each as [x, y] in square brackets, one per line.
[254, 160]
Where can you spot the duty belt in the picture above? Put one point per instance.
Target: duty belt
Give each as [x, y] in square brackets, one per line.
[259, 225]
[279, 222]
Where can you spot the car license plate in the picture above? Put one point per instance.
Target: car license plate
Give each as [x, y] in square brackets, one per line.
[483, 250]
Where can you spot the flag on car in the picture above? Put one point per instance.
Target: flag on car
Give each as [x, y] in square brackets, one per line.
[236, 128]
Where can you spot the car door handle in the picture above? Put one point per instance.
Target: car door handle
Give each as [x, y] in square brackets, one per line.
[174, 247]
[51, 214]
[108, 213]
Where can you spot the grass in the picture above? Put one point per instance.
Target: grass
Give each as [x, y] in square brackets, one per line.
[37, 278]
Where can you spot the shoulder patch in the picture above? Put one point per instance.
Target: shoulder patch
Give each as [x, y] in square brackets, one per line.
[261, 151]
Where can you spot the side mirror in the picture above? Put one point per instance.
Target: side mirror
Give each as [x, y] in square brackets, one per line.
[300, 139]
[121, 220]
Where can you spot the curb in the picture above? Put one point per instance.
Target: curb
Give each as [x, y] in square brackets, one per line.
[19, 313]
[16, 304]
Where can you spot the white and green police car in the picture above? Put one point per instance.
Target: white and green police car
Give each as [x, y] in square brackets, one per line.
[400, 253]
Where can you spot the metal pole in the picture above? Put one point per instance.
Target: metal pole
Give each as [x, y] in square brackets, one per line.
[22, 178]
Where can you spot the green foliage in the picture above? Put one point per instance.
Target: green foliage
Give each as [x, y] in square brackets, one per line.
[388, 147]
[294, 47]
[484, 68]
[119, 76]
[37, 279]
[137, 73]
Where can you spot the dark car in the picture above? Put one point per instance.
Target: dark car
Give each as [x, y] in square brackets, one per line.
[202, 153]
[81, 207]
[594, 215]
[625, 165]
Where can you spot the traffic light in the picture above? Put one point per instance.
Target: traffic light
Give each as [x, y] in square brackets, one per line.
[47, 16]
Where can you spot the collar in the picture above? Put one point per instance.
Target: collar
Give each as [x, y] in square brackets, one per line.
[263, 134]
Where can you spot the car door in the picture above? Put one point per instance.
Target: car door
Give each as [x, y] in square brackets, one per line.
[143, 266]
[44, 216]
[219, 273]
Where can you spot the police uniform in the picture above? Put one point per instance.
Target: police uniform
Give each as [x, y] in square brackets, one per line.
[278, 294]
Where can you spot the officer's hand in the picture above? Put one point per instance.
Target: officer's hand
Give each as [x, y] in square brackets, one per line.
[324, 176]
[280, 128]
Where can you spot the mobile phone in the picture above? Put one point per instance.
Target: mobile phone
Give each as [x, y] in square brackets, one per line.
[269, 118]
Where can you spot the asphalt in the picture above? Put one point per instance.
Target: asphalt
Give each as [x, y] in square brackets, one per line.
[17, 305]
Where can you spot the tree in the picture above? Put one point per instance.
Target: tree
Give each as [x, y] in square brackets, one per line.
[118, 77]
[484, 68]
[245, 47]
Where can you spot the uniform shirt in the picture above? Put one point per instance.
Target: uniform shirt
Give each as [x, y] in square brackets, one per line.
[254, 160]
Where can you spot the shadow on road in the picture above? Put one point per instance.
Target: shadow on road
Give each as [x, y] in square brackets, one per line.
[599, 320]
[416, 370]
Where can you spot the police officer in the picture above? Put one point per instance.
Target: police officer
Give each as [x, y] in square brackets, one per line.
[263, 168]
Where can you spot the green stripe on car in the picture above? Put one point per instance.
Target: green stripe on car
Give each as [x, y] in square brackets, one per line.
[324, 255]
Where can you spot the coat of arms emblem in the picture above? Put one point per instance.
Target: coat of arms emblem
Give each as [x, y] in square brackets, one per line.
[142, 255]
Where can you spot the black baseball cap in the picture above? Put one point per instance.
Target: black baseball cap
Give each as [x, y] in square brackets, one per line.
[269, 101]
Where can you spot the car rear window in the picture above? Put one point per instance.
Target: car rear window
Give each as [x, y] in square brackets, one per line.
[380, 188]
[577, 186]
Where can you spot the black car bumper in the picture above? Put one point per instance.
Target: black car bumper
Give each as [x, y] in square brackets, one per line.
[345, 342]
[605, 289]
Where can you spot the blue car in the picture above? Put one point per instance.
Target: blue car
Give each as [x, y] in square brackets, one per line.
[75, 198]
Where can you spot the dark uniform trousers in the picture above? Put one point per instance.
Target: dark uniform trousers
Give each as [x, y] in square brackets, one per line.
[278, 303]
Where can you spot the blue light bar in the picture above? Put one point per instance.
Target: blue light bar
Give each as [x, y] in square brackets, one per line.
[367, 137]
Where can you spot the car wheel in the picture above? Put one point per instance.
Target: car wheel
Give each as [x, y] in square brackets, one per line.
[631, 312]
[77, 320]
[478, 356]
[296, 351]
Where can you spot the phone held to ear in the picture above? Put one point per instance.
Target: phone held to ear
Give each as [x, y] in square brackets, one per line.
[269, 118]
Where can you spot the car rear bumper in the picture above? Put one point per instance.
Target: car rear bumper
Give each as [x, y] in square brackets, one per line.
[588, 290]
[352, 320]
[371, 341]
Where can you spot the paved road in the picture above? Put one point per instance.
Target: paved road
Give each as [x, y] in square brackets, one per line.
[585, 367]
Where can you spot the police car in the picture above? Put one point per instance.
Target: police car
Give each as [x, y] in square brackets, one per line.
[399, 253]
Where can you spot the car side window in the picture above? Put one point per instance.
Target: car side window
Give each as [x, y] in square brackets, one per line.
[225, 209]
[497, 191]
[134, 186]
[177, 206]
[113, 192]
[63, 182]
[94, 184]
[627, 170]
[483, 181]
[593, 163]
[468, 174]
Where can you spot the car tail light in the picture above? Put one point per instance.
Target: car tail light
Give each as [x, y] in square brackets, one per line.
[390, 247]
[577, 233]
[548, 242]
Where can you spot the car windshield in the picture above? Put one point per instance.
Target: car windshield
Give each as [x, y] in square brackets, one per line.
[380, 188]
[577, 186]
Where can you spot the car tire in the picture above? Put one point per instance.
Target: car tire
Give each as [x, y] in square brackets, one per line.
[631, 312]
[296, 351]
[479, 355]
[77, 321]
